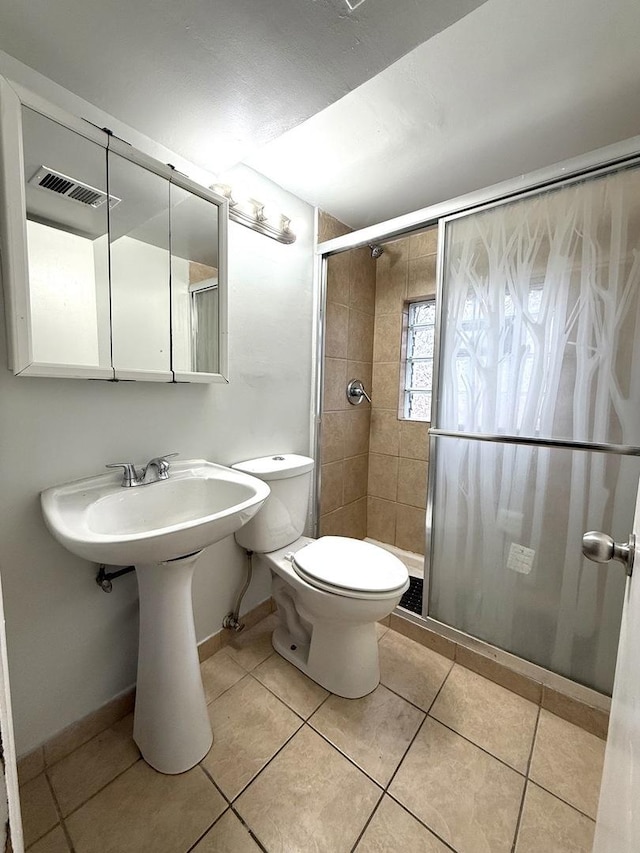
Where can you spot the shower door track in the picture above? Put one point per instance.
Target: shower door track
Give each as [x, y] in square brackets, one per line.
[531, 441]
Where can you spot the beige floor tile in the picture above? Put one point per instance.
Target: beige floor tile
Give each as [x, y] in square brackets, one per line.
[381, 630]
[289, 684]
[568, 762]
[549, 824]
[227, 835]
[465, 796]
[219, 673]
[412, 670]
[322, 802]
[393, 828]
[53, 842]
[39, 813]
[146, 812]
[251, 647]
[30, 765]
[83, 773]
[489, 715]
[374, 732]
[249, 727]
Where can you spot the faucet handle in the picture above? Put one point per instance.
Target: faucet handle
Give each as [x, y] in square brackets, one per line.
[130, 475]
[161, 464]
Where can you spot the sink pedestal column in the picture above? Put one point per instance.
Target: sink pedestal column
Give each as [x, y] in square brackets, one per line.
[171, 723]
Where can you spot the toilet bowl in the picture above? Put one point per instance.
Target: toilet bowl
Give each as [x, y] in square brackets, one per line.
[330, 592]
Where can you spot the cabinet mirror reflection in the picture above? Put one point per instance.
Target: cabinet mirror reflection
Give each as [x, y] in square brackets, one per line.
[119, 269]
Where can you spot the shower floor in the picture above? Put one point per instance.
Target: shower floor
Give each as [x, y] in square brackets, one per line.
[412, 599]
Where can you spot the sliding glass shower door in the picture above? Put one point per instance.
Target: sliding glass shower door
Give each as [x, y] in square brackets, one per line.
[537, 428]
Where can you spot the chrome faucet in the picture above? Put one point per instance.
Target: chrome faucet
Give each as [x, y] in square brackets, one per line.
[131, 477]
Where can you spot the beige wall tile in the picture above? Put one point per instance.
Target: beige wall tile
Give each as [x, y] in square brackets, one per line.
[467, 797]
[414, 439]
[494, 671]
[590, 719]
[336, 330]
[356, 440]
[363, 281]
[30, 765]
[335, 384]
[422, 277]
[424, 243]
[567, 761]
[290, 685]
[335, 523]
[411, 670]
[356, 519]
[386, 386]
[495, 719]
[360, 345]
[250, 726]
[331, 487]
[323, 801]
[355, 478]
[423, 635]
[392, 277]
[383, 476]
[227, 835]
[374, 732]
[178, 808]
[381, 520]
[362, 370]
[549, 824]
[387, 337]
[334, 426]
[412, 482]
[410, 529]
[338, 284]
[88, 769]
[39, 813]
[385, 432]
[393, 828]
[330, 227]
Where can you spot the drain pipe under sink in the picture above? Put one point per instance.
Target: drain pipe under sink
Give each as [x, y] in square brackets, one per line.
[232, 620]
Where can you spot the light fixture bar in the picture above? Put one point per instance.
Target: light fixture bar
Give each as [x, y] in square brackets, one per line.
[257, 220]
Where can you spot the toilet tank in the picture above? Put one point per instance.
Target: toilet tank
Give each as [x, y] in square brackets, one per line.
[282, 517]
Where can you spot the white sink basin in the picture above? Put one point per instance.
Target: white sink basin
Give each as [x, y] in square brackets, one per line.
[160, 528]
[198, 505]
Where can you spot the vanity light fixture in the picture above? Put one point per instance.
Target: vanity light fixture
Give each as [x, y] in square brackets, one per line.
[258, 216]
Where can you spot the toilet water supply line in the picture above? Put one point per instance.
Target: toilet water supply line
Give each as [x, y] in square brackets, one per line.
[231, 620]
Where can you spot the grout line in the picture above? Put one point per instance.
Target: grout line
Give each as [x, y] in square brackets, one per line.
[232, 800]
[421, 822]
[99, 791]
[526, 784]
[477, 746]
[562, 800]
[367, 822]
[59, 811]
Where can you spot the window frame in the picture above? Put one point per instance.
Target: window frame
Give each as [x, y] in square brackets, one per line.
[409, 359]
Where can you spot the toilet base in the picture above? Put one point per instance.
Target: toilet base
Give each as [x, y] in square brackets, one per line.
[341, 658]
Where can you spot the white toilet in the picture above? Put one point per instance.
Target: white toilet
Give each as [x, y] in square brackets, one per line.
[330, 591]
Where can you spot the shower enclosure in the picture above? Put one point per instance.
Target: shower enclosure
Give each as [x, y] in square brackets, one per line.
[535, 433]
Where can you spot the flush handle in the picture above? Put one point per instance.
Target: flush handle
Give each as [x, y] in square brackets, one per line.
[601, 548]
[356, 393]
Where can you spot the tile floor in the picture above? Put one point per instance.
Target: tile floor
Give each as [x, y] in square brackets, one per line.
[436, 759]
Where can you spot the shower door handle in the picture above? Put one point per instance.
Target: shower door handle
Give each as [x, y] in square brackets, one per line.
[601, 548]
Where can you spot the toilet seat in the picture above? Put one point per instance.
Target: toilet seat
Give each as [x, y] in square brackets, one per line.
[350, 567]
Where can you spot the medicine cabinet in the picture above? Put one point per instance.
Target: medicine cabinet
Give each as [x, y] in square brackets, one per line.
[114, 265]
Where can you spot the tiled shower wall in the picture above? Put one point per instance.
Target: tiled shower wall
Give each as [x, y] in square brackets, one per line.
[373, 463]
[351, 283]
[398, 457]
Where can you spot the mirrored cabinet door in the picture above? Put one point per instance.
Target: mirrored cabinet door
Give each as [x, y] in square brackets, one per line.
[65, 190]
[197, 303]
[140, 271]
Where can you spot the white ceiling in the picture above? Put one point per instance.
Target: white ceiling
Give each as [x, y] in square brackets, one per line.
[296, 88]
[513, 87]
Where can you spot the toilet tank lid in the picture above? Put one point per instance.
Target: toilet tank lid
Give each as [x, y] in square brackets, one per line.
[277, 467]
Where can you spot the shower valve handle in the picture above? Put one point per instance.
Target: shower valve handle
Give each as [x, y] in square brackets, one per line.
[356, 392]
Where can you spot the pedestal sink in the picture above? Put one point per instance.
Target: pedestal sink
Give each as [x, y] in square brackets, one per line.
[161, 528]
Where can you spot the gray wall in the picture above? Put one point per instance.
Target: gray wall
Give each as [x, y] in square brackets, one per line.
[71, 647]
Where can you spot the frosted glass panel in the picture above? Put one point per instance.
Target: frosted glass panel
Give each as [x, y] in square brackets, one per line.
[541, 332]
[507, 563]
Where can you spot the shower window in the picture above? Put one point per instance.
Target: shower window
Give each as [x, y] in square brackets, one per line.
[418, 375]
